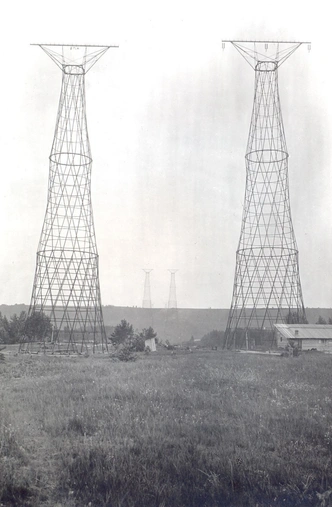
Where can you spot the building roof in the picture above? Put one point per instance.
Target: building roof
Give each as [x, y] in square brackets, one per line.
[305, 331]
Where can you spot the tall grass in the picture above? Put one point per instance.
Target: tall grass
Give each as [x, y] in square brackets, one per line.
[202, 429]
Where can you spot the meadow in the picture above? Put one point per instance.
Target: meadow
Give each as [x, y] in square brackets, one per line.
[202, 429]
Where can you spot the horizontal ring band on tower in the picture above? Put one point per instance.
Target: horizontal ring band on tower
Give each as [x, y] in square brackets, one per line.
[70, 159]
[266, 156]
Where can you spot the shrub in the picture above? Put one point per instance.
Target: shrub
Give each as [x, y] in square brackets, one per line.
[122, 332]
[214, 338]
[124, 352]
[137, 344]
[12, 329]
[37, 326]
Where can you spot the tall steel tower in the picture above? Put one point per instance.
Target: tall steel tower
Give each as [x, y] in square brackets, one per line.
[267, 285]
[172, 302]
[171, 326]
[66, 283]
[147, 290]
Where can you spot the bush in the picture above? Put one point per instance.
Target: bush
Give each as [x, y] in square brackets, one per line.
[12, 329]
[214, 338]
[124, 352]
[122, 333]
[37, 326]
[137, 343]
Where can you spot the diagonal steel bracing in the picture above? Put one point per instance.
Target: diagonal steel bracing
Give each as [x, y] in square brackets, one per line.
[66, 284]
[267, 284]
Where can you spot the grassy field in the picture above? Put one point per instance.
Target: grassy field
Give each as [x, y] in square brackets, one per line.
[207, 428]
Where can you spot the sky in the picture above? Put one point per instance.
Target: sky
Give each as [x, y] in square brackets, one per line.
[168, 117]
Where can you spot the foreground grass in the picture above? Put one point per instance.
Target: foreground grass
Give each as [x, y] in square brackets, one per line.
[202, 429]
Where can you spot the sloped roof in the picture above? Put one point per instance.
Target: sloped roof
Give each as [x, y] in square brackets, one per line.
[305, 331]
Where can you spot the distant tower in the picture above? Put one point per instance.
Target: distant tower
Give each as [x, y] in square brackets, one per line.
[147, 289]
[66, 283]
[267, 285]
[172, 303]
[172, 327]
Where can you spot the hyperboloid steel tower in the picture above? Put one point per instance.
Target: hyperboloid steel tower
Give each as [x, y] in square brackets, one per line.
[172, 301]
[171, 327]
[147, 289]
[66, 284]
[267, 287]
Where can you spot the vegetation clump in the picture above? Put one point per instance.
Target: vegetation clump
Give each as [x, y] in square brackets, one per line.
[214, 338]
[323, 321]
[126, 342]
[12, 329]
[36, 326]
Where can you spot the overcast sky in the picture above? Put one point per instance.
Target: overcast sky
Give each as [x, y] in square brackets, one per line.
[168, 117]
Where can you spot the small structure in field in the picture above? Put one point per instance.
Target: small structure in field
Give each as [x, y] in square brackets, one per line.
[304, 336]
[151, 343]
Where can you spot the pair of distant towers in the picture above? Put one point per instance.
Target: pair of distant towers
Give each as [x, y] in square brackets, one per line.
[172, 301]
[66, 284]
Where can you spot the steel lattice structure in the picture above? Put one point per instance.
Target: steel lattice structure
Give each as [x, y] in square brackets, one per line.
[267, 287]
[66, 283]
[172, 301]
[171, 327]
[147, 290]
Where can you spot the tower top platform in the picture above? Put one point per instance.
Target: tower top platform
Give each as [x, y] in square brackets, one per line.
[74, 55]
[257, 51]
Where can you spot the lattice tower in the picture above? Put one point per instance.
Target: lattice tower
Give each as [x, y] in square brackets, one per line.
[171, 327]
[172, 302]
[66, 284]
[267, 287]
[147, 289]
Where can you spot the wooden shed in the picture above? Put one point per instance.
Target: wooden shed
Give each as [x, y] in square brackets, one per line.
[305, 336]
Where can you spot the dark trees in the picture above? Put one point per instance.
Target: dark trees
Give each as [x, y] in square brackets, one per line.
[295, 318]
[123, 335]
[38, 326]
[122, 332]
[12, 329]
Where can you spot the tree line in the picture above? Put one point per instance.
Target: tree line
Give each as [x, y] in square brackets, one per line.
[294, 318]
[322, 321]
[35, 326]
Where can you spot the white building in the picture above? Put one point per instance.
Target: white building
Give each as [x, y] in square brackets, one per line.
[305, 336]
[151, 343]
